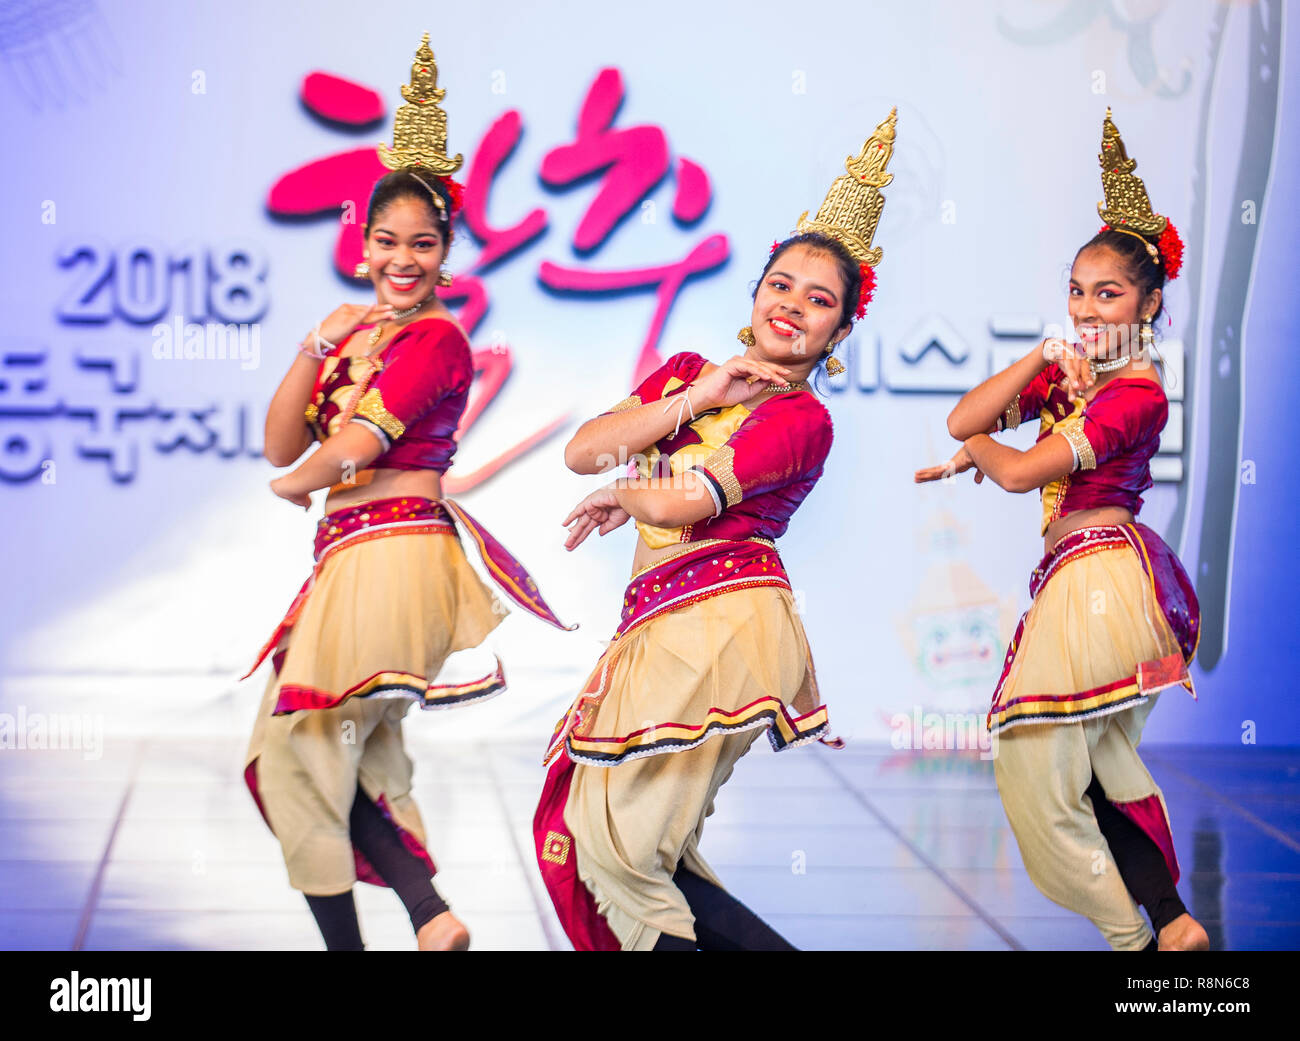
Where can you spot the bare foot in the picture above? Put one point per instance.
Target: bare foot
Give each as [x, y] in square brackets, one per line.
[444, 932]
[1184, 933]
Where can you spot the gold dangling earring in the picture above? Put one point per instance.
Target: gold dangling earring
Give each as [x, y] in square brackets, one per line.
[444, 279]
[746, 336]
[833, 365]
[1147, 334]
[362, 270]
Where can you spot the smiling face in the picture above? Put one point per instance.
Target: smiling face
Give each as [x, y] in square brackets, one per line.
[798, 308]
[405, 252]
[1106, 305]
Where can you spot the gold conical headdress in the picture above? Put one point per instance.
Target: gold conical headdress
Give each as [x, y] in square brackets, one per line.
[420, 126]
[852, 207]
[1127, 207]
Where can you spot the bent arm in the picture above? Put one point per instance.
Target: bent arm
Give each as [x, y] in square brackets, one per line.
[339, 459]
[978, 410]
[1017, 471]
[665, 502]
[287, 434]
[604, 442]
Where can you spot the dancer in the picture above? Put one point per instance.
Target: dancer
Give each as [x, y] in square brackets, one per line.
[1114, 618]
[392, 594]
[710, 647]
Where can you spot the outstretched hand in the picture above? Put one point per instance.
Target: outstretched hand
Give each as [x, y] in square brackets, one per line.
[599, 511]
[959, 463]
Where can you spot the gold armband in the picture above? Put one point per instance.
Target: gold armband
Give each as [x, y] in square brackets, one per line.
[1072, 429]
[371, 407]
[1011, 417]
[721, 465]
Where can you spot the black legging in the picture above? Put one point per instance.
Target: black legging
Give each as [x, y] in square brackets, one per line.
[1141, 864]
[722, 923]
[401, 869]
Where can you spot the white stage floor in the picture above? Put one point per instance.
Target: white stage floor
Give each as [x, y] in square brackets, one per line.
[156, 844]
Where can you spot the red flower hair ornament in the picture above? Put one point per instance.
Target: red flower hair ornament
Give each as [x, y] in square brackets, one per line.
[867, 291]
[1169, 246]
[455, 192]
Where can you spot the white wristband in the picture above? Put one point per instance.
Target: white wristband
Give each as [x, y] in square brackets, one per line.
[683, 403]
[315, 351]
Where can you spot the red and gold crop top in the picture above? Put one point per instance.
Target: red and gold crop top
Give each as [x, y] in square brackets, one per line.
[413, 401]
[1113, 437]
[758, 465]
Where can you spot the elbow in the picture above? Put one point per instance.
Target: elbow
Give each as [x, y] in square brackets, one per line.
[671, 512]
[956, 428]
[284, 448]
[577, 453]
[1016, 483]
[582, 457]
[576, 459]
[277, 456]
[657, 509]
[657, 517]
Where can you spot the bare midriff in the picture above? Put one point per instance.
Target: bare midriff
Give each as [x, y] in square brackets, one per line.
[384, 484]
[1096, 516]
[645, 556]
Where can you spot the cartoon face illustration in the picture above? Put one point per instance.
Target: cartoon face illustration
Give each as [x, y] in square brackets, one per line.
[958, 646]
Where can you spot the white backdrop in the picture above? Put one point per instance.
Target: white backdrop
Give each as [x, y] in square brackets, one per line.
[152, 546]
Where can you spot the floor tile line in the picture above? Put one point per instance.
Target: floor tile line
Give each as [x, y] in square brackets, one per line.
[527, 865]
[921, 855]
[97, 883]
[1236, 807]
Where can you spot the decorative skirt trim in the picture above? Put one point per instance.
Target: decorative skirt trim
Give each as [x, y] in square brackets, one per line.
[1170, 591]
[1068, 708]
[1150, 678]
[710, 569]
[429, 696]
[783, 731]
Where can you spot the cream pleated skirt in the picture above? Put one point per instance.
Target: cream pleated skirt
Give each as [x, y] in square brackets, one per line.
[686, 697]
[380, 620]
[1086, 633]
